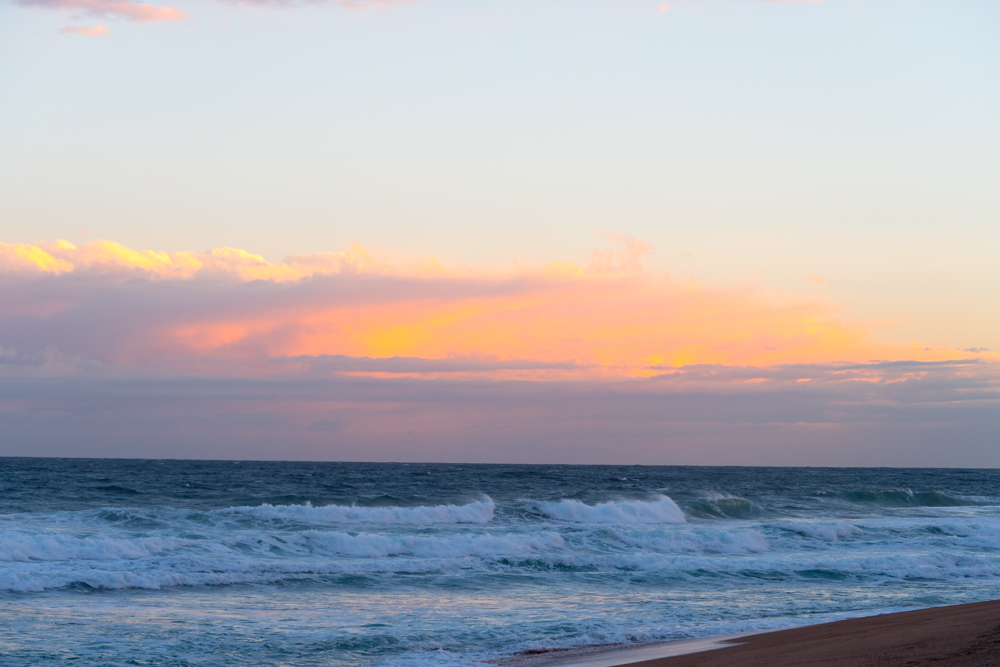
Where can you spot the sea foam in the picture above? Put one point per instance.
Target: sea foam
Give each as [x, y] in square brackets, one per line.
[659, 511]
[476, 512]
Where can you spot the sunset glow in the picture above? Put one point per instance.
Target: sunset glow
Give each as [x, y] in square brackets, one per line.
[603, 317]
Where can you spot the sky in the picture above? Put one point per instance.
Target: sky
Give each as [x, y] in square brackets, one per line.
[613, 231]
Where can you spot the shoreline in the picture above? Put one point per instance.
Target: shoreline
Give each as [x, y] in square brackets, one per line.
[963, 635]
[612, 655]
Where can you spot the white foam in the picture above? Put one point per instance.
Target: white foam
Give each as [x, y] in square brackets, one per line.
[457, 546]
[828, 532]
[717, 495]
[60, 547]
[270, 544]
[476, 512]
[707, 541]
[660, 511]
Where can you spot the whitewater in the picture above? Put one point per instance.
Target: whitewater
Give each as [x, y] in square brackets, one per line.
[271, 563]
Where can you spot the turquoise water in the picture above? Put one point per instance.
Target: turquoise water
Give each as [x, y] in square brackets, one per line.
[118, 562]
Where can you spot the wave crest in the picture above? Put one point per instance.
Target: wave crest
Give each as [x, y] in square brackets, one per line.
[901, 498]
[481, 511]
[16, 547]
[661, 510]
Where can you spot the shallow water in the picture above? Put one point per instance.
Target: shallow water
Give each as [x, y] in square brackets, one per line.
[248, 563]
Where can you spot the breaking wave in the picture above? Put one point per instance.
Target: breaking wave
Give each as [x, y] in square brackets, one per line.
[476, 512]
[662, 510]
[56, 547]
[712, 504]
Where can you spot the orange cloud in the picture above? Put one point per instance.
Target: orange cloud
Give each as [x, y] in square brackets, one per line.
[606, 316]
[122, 9]
[93, 31]
[621, 325]
[353, 5]
[815, 279]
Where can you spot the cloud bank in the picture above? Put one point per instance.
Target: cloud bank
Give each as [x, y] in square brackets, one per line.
[365, 355]
[898, 414]
[606, 316]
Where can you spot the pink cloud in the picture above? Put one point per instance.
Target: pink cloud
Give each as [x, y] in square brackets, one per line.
[93, 31]
[122, 9]
[816, 279]
[353, 5]
[376, 4]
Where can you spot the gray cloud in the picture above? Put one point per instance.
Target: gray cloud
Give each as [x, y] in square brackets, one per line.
[337, 363]
[945, 414]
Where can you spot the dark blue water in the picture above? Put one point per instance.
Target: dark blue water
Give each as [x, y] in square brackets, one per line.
[271, 563]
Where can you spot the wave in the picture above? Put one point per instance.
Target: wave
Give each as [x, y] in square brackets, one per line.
[826, 532]
[674, 541]
[257, 558]
[419, 546]
[660, 554]
[114, 488]
[660, 511]
[58, 547]
[900, 498]
[653, 567]
[715, 505]
[481, 511]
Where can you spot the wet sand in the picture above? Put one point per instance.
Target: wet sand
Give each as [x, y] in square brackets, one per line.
[965, 635]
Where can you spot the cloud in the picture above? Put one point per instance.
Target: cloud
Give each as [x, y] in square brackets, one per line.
[621, 254]
[93, 31]
[353, 5]
[110, 351]
[373, 4]
[395, 366]
[816, 280]
[108, 257]
[215, 311]
[119, 9]
[913, 414]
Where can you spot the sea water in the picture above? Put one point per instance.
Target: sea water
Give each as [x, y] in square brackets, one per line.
[122, 562]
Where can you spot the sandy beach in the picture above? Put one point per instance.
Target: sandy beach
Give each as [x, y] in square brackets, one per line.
[965, 635]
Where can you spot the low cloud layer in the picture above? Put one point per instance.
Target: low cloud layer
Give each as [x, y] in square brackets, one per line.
[901, 414]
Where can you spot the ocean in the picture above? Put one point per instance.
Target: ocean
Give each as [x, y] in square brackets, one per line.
[140, 562]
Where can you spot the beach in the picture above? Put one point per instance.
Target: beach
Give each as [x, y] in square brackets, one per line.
[965, 635]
